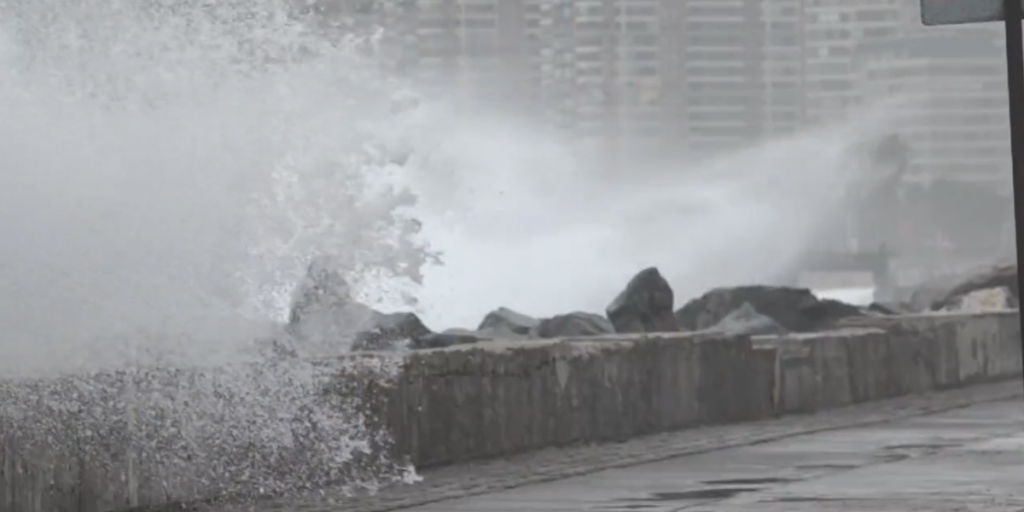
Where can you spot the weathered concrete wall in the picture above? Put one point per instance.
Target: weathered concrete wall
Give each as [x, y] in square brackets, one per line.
[883, 357]
[122, 440]
[503, 398]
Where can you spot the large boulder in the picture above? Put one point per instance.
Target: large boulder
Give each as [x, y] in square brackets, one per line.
[323, 311]
[573, 324]
[448, 338]
[326, 319]
[921, 296]
[887, 309]
[980, 301]
[506, 323]
[644, 306]
[1000, 276]
[745, 320]
[826, 313]
[390, 331]
[794, 309]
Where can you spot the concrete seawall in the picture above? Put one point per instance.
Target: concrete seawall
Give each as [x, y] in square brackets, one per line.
[117, 441]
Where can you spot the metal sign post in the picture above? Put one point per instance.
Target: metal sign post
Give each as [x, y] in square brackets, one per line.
[950, 12]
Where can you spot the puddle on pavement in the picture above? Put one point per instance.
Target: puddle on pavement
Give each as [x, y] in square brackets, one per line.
[838, 467]
[719, 490]
[717, 493]
[628, 506]
[804, 499]
[888, 458]
[749, 481]
[918, 447]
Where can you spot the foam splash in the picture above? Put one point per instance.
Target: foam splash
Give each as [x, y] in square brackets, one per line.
[167, 169]
[168, 172]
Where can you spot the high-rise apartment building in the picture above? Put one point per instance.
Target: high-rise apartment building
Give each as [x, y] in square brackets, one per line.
[832, 30]
[481, 46]
[737, 75]
[954, 112]
[598, 63]
[592, 67]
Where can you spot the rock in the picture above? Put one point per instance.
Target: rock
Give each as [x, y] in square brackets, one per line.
[979, 301]
[745, 320]
[1000, 276]
[780, 303]
[506, 323]
[919, 297]
[323, 311]
[572, 324]
[448, 338]
[794, 309]
[325, 319]
[880, 308]
[323, 288]
[644, 306]
[392, 331]
[826, 313]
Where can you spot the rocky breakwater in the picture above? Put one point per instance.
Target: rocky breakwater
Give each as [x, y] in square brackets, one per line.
[326, 318]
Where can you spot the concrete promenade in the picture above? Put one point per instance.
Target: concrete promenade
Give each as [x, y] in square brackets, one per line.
[969, 459]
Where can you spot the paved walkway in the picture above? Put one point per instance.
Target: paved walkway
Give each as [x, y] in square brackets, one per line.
[964, 460]
[666, 471]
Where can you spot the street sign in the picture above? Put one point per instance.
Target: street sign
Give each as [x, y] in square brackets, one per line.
[956, 12]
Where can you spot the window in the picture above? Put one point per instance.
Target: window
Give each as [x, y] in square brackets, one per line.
[478, 23]
[874, 15]
[826, 85]
[720, 12]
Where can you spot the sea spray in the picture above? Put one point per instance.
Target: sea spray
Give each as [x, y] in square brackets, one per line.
[167, 170]
[528, 221]
[170, 168]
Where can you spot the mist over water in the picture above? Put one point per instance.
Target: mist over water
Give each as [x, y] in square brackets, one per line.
[525, 222]
[166, 174]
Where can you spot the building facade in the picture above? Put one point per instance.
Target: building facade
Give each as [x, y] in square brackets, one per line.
[598, 66]
[833, 29]
[738, 75]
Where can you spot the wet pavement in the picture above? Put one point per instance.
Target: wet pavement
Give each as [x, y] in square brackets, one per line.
[969, 459]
